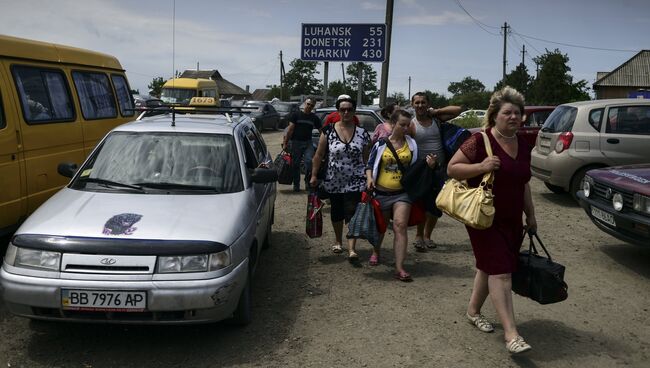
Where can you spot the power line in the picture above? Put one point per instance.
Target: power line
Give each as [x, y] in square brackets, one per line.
[483, 25]
[476, 21]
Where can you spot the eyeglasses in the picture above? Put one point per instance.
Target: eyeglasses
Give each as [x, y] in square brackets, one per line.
[346, 109]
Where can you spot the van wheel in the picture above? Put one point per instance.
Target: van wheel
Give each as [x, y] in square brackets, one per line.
[243, 315]
[554, 188]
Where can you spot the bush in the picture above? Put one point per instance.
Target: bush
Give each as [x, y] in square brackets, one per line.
[469, 121]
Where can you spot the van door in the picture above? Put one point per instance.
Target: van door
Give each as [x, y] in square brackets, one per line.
[51, 130]
[12, 195]
[626, 137]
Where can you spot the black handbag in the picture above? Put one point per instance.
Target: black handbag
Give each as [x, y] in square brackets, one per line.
[418, 180]
[539, 278]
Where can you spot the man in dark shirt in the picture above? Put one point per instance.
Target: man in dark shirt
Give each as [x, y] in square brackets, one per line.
[299, 134]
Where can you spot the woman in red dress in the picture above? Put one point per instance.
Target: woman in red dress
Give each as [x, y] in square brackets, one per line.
[496, 249]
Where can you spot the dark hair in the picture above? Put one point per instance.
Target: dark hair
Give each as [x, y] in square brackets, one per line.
[353, 102]
[387, 111]
[421, 94]
[396, 115]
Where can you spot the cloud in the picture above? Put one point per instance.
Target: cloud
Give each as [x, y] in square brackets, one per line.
[446, 17]
[369, 5]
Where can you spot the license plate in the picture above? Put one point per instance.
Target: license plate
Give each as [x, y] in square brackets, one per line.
[104, 300]
[603, 216]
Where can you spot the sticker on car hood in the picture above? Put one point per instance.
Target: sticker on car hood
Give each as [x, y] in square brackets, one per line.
[121, 224]
[638, 179]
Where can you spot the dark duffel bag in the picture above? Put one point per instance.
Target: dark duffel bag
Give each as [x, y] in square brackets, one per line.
[283, 166]
[539, 278]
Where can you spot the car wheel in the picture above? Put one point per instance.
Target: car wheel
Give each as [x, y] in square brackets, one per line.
[243, 315]
[577, 180]
[554, 188]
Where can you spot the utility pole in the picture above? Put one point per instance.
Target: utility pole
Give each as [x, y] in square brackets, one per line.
[409, 96]
[383, 90]
[360, 84]
[523, 53]
[343, 71]
[281, 78]
[326, 67]
[505, 37]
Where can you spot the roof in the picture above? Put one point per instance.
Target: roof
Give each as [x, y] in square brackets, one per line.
[611, 101]
[37, 50]
[225, 87]
[190, 123]
[633, 73]
[260, 94]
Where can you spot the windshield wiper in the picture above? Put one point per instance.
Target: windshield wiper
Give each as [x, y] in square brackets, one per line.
[547, 130]
[165, 185]
[110, 183]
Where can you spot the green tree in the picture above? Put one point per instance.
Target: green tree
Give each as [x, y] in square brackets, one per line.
[399, 98]
[518, 79]
[337, 88]
[275, 93]
[135, 91]
[437, 100]
[301, 78]
[470, 93]
[554, 85]
[369, 82]
[155, 87]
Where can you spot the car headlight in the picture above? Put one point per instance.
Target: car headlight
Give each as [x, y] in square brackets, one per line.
[194, 263]
[641, 203]
[587, 184]
[32, 258]
[617, 201]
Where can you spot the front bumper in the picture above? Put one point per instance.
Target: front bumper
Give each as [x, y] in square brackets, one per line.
[630, 227]
[168, 302]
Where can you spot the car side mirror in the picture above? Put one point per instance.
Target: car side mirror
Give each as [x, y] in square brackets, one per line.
[67, 169]
[264, 175]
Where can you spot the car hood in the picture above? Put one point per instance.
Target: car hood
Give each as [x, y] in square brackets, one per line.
[215, 217]
[635, 178]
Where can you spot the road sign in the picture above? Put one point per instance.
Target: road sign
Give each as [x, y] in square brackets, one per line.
[343, 42]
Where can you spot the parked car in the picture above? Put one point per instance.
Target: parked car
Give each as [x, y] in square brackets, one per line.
[617, 200]
[163, 223]
[368, 119]
[533, 119]
[143, 102]
[264, 115]
[285, 109]
[581, 136]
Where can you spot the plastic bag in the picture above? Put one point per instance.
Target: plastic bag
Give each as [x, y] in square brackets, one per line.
[376, 207]
[283, 166]
[363, 225]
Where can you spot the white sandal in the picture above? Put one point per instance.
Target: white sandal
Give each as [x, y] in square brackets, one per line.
[517, 345]
[480, 322]
[336, 248]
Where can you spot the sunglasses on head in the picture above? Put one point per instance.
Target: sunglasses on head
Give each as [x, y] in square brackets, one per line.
[346, 109]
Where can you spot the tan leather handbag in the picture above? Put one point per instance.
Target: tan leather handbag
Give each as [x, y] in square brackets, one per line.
[473, 207]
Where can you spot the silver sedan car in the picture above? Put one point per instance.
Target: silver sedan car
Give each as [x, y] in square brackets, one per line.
[163, 223]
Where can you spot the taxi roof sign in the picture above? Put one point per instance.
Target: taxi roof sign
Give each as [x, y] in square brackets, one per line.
[203, 101]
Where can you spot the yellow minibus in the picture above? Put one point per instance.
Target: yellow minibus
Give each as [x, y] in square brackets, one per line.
[181, 90]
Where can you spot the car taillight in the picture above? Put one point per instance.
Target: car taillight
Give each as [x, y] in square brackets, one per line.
[563, 141]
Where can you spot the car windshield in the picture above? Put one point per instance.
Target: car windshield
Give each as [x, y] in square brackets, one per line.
[148, 162]
[177, 95]
[561, 120]
[283, 107]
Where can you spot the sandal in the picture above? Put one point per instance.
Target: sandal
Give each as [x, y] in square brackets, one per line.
[430, 244]
[374, 260]
[419, 246]
[353, 258]
[517, 345]
[403, 276]
[480, 322]
[336, 248]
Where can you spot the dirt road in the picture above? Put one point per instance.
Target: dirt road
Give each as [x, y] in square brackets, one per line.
[313, 309]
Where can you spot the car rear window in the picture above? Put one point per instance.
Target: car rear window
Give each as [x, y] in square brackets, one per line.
[561, 120]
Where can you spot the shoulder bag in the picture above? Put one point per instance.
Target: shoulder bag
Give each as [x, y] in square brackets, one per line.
[539, 278]
[473, 207]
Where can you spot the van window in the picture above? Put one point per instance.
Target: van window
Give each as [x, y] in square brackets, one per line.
[3, 122]
[209, 93]
[123, 95]
[95, 95]
[629, 120]
[177, 95]
[44, 95]
[561, 120]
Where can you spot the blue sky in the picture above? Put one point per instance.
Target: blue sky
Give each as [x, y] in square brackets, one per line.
[434, 41]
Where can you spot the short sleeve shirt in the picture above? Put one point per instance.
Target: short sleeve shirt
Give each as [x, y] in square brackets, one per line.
[345, 163]
[305, 123]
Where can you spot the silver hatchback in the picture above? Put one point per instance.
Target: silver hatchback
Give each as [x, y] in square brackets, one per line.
[581, 136]
[163, 223]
